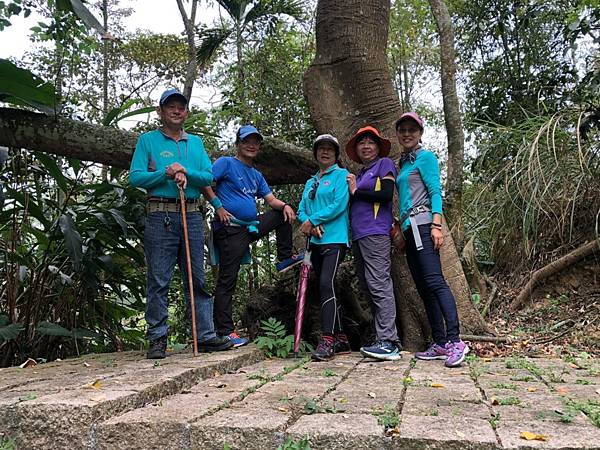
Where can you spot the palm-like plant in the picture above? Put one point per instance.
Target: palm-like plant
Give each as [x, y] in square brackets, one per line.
[243, 18]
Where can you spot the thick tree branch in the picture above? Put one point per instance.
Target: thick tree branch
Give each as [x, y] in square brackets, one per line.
[280, 162]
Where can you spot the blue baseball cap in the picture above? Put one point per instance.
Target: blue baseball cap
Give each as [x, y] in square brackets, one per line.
[247, 130]
[170, 93]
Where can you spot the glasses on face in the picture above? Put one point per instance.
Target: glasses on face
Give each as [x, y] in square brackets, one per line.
[313, 190]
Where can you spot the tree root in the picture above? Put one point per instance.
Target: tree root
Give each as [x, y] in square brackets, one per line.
[554, 267]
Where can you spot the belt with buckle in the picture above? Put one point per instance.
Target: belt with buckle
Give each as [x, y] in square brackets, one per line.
[173, 207]
[170, 200]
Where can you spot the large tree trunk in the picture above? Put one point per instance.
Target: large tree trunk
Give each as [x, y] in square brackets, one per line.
[59, 136]
[452, 118]
[347, 86]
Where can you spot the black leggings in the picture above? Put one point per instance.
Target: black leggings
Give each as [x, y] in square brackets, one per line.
[326, 259]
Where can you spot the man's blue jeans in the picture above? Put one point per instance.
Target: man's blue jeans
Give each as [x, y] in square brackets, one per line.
[164, 246]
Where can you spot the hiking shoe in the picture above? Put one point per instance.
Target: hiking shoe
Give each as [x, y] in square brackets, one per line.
[324, 351]
[382, 349]
[236, 339]
[216, 344]
[456, 353]
[341, 346]
[433, 352]
[288, 263]
[157, 348]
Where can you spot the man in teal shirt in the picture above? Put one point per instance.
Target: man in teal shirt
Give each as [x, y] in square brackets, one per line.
[163, 161]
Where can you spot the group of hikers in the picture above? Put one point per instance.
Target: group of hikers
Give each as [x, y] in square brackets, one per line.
[337, 209]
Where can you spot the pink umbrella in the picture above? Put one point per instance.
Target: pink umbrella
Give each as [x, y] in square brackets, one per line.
[301, 296]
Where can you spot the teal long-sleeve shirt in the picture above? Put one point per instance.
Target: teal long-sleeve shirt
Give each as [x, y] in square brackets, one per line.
[329, 207]
[418, 184]
[155, 151]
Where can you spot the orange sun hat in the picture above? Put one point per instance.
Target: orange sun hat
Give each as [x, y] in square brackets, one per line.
[384, 144]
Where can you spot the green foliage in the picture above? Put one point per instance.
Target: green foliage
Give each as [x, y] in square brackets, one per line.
[509, 401]
[275, 343]
[535, 189]
[388, 417]
[292, 444]
[21, 87]
[7, 443]
[8, 331]
[72, 271]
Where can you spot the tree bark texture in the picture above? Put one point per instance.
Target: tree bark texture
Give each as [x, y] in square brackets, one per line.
[348, 85]
[452, 118]
[110, 146]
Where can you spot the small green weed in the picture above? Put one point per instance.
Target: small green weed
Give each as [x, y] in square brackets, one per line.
[274, 341]
[329, 373]
[292, 444]
[28, 397]
[407, 381]
[590, 408]
[413, 363]
[508, 401]
[389, 417]
[494, 420]
[525, 378]
[260, 375]
[7, 443]
[583, 382]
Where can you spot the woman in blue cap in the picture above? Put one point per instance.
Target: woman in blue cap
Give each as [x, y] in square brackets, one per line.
[323, 214]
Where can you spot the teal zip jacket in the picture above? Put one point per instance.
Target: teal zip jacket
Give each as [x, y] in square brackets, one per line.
[418, 184]
[155, 151]
[329, 207]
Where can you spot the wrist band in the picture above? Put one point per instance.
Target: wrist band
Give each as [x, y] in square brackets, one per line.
[216, 203]
[436, 225]
[286, 204]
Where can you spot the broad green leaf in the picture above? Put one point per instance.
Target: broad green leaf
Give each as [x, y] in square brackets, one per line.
[118, 216]
[20, 86]
[53, 169]
[52, 329]
[31, 205]
[72, 240]
[86, 16]
[9, 332]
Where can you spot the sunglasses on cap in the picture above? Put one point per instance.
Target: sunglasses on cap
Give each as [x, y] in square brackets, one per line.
[313, 190]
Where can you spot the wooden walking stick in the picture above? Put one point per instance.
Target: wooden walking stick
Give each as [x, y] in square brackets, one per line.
[189, 268]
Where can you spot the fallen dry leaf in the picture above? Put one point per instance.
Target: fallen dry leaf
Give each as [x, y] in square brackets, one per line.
[95, 385]
[392, 368]
[487, 359]
[85, 364]
[460, 434]
[394, 431]
[99, 398]
[29, 363]
[531, 389]
[527, 435]
[562, 390]
[598, 391]
[372, 394]
[437, 385]
[282, 409]
[494, 400]
[343, 400]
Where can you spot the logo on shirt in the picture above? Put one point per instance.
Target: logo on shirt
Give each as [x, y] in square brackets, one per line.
[326, 183]
[166, 154]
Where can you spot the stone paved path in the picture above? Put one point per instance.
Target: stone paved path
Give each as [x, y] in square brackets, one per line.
[236, 399]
